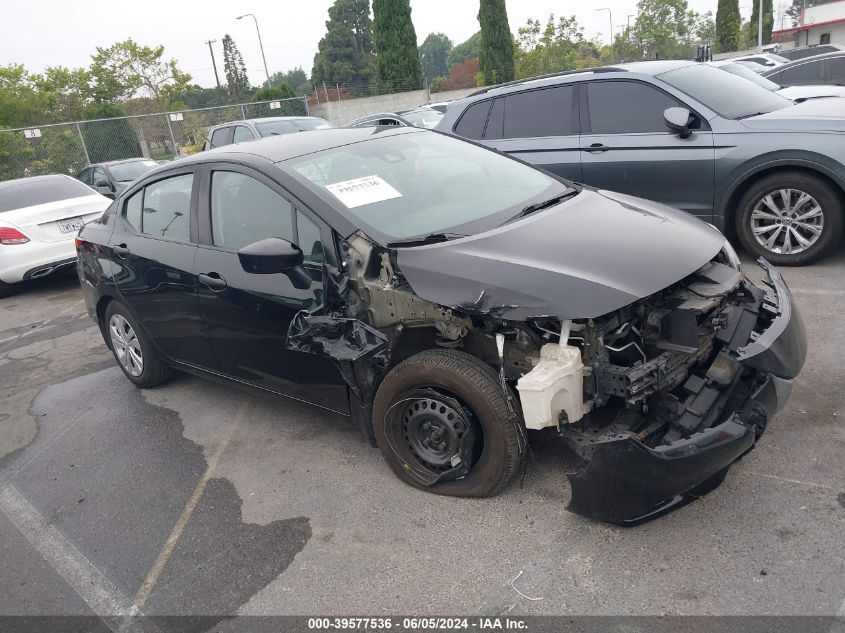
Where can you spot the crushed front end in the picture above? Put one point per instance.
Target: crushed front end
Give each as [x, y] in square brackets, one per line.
[679, 386]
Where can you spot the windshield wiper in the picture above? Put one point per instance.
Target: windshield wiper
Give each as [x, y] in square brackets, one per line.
[748, 116]
[539, 206]
[431, 238]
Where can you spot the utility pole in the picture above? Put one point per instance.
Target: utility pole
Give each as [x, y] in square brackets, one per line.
[213, 63]
[760, 26]
[610, 19]
[260, 45]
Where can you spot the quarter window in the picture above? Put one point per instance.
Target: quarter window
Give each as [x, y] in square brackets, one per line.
[546, 112]
[309, 239]
[244, 210]
[167, 208]
[627, 107]
[133, 210]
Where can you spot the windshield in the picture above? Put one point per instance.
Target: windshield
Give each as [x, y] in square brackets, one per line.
[19, 194]
[123, 172]
[289, 126]
[427, 119]
[746, 73]
[726, 94]
[421, 183]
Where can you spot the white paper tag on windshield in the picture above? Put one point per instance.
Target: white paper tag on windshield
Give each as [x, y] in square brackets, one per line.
[361, 191]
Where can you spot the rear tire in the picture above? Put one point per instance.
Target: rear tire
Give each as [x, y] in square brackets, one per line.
[6, 290]
[459, 378]
[135, 355]
[792, 218]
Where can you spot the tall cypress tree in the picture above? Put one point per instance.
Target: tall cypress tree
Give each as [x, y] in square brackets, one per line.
[345, 54]
[496, 54]
[768, 21]
[728, 25]
[234, 67]
[397, 56]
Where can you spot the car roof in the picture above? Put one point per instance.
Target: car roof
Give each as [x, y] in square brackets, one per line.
[109, 163]
[9, 184]
[266, 119]
[804, 60]
[281, 148]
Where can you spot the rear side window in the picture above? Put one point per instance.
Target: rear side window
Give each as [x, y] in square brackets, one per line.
[244, 210]
[546, 112]
[221, 137]
[167, 208]
[28, 193]
[242, 134]
[471, 123]
[803, 74]
[836, 71]
[627, 107]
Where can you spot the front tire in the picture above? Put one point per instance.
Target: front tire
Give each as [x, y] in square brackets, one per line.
[427, 404]
[132, 350]
[791, 218]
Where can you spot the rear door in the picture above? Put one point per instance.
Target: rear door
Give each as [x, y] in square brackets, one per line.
[153, 248]
[247, 315]
[626, 147]
[835, 71]
[539, 126]
[808, 73]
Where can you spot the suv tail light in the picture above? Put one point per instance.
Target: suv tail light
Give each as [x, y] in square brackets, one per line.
[10, 236]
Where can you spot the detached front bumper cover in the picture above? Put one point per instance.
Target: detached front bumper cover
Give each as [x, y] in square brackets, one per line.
[626, 482]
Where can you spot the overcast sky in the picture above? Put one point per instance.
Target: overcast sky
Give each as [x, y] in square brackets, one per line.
[42, 33]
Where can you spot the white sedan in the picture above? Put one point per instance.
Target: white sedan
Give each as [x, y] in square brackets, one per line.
[39, 220]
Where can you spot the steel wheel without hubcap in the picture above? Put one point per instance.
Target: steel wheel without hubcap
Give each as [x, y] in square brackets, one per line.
[433, 431]
[787, 221]
[126, 345]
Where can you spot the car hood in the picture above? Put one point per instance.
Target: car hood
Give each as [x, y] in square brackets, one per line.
[815, 115]
[811, 92]
[589, 255]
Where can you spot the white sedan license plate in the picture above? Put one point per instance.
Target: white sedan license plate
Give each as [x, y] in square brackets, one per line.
[70, 225]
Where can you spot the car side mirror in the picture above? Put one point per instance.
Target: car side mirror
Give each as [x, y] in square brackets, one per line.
[275, 255]
[101, 183]
[679, 120]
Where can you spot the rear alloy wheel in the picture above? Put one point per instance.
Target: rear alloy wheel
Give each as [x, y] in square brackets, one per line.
[790, 218]
[444, 425]
[136, 357]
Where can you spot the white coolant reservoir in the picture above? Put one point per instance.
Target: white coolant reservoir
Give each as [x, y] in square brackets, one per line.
[555, 384]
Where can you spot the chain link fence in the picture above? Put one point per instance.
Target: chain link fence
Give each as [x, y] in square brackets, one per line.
[67, 148]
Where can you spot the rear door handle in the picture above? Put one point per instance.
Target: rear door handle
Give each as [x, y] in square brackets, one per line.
[121, 250]
[214, 281]
[598, 148]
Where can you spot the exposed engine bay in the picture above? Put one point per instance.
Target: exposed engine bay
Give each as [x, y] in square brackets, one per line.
[653, 374]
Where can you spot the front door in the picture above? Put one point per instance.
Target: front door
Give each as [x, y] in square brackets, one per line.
[247, 315]
[153, 253]
[626, 147]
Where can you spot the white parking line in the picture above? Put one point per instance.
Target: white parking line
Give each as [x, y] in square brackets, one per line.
[107, 601]
[170, 544]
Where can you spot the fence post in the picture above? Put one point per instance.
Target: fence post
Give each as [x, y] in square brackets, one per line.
[338, 91]
[317, 94]
[243, 113]
[326, 91]
[170, 129]
[84, 148]
[307, 109]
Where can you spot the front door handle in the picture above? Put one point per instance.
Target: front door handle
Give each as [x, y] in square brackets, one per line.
[214, 281]
[121, 250]
[598, 148]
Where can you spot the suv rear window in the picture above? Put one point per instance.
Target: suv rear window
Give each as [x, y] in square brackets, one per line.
[28, 193]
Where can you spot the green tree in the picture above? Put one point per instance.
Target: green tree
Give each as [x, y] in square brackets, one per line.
[464, 51]
[793, 11]
[345, 54]
[276, 91]
[550, 48]
[666, 29]
[768, 22]
[126, 69]
[496, 51]
[397, 57]
[65, 92]
[234, 68]
[728, 25]
[434, 51]
[20, 102]
[296, 79]
[110, 139]
[15, 155]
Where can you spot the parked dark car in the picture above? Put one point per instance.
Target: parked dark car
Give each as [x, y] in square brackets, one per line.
[425, 117]
[445, 298]
[810, 51]
[753, 163]
[254, 129]
[112, 177]
[822, 69]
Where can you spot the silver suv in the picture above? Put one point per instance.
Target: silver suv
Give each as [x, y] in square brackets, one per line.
[254, 129]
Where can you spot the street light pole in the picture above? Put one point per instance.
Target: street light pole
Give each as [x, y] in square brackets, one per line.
[610, 19]
[760, 26]
[266, 72]
[213, 63]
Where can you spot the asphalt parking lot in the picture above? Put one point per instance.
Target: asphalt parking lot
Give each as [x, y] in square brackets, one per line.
[196, 498]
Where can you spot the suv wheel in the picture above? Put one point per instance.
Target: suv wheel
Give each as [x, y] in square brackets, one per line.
[133, 352]
[791, 218]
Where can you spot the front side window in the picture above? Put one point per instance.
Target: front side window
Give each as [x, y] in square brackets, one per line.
[167, 208]
[86, 176]
[803, 74]
[242, 134]
[401, 186]
[627, 107]
[244, 211]
[546, 112]
[99, 176]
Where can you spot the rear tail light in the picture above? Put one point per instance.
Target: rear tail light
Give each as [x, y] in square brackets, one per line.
[12, 236]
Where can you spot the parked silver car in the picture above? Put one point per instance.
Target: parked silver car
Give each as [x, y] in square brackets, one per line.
[760, 167]
[254, 129]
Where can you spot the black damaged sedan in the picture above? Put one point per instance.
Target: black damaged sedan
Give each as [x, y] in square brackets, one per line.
[448, 299]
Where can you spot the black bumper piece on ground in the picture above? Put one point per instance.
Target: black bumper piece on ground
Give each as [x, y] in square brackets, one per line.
[626, 482]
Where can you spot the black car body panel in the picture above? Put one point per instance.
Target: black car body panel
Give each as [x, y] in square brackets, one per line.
[687, 361]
